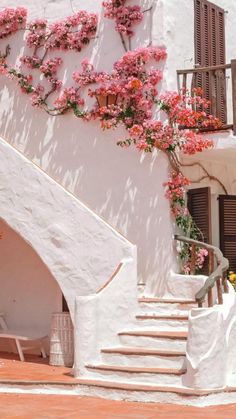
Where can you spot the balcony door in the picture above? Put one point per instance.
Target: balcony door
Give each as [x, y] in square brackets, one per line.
[209, 34]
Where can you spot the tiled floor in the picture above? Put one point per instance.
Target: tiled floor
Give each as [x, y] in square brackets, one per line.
[74, 407]
[26, 406]
[34, 369]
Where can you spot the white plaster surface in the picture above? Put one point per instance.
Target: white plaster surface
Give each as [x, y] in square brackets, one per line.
[80, 250]
[211, 345]
[184, 286]
[99, 317]
[29, 293]
[123, 186]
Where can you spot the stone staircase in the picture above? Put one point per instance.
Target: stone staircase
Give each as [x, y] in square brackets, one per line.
[151, 355]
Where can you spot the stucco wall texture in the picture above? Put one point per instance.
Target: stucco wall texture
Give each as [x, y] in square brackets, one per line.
[124, 187]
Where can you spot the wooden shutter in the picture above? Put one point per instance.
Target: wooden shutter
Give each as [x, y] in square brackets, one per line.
[227, 215]
[209, 34]
[199, 206]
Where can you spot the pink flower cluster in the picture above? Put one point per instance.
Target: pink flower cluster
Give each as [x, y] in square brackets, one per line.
[188, 109]
[69, 98]
[31, 61]
[200, 256]
[11, 20]
[133, 62]
[72, 33]
[125, 16]
[50, 67]
[37, 33]
[192, 142]
[176, 188]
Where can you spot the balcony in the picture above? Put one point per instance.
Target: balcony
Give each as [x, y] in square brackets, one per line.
[219, 86]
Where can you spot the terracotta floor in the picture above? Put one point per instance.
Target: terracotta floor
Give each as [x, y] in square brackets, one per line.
[25, 406]
[74, 407]
[34, 369]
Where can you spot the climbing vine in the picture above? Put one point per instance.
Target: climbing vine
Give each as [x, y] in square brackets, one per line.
[128, 95]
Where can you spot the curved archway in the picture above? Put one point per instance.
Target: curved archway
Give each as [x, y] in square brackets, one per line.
[80, 250]
[29, 292]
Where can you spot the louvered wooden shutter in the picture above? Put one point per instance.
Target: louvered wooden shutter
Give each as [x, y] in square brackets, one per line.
[199, 205]
[209, 51]
[227, 211]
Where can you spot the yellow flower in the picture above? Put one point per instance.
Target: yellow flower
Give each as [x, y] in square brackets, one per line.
[232, 277]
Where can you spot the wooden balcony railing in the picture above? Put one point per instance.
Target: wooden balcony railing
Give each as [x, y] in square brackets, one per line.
[213, 81]
[218, 266]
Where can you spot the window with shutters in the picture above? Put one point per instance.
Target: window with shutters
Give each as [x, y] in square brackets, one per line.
[227, 213]
[209, 36]
[199, 206]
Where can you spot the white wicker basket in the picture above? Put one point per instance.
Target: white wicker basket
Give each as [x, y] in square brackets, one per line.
[62, 340]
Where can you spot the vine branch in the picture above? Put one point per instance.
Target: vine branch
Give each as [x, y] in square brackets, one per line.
[123, 42]
[207, 174]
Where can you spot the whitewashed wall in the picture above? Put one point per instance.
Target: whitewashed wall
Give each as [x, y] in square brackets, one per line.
[124, 187]
[80, 250]
[29, 293]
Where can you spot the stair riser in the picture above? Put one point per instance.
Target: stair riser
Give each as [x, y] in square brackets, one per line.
[142, 378]
[151, 361]
[163, 324]
[156, 343]
[166, 308]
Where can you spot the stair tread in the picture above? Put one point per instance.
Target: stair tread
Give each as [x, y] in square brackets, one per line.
[156, 334]
[162, 316]
[142, 351]
[145, 387]
[165, 300]
[122, 368]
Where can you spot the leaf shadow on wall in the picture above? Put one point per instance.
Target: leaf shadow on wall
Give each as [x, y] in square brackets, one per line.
[122, 186]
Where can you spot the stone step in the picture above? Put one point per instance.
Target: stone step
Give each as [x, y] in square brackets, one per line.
[128, 391]
[144, 357]
[165, 300]
[119, 373]
[145, 393]
[163, 321]
[158, 339]
[152, 304]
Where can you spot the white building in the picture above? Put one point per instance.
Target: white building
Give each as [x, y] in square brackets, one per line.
[87, 219]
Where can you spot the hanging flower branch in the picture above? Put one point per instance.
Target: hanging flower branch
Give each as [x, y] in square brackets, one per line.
[125, 18]
[72, 33]
[12, 20]
[185, 116]
[133, 86]
[128, 95]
